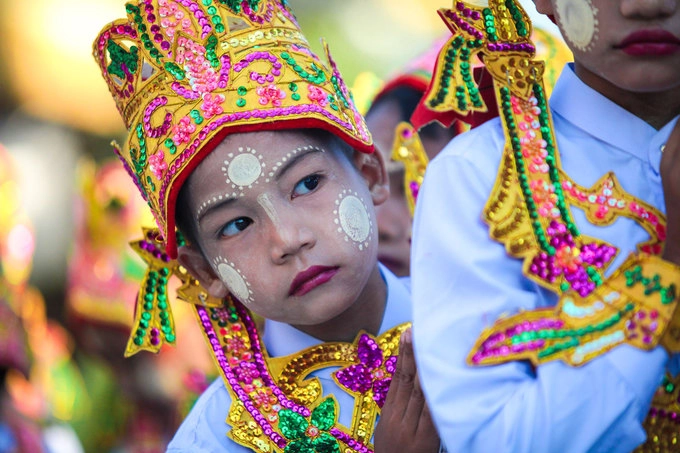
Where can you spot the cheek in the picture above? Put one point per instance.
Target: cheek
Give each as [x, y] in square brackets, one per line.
[579, 22]
[234, 279]
[352, 219]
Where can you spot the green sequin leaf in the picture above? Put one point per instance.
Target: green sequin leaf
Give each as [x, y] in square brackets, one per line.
[323, 417]
[303, 445]
[292, 424]
[326, 443]
[121, 58]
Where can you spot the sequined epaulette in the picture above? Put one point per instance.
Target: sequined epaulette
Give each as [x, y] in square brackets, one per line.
[277, 406]
[529, 211]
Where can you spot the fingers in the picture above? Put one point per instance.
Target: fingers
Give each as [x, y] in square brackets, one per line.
[425, 422]
[405, 372]
[416, 405]
[405, 423]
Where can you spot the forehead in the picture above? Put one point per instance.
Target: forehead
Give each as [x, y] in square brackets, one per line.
[247, 160]
[382, 121]
[270, 148]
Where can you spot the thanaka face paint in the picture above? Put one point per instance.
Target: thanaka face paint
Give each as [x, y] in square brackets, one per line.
[288, 156]
[579, 22]
[351, 216]
[242, 170]
[265, 202]
[233, 280]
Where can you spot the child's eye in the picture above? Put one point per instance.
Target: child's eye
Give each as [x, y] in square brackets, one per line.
[306, 185]
[235, 226]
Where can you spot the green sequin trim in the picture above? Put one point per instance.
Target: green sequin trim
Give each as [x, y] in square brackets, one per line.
[141, 29]
[652, 285]
[120, 57]
[317, 78]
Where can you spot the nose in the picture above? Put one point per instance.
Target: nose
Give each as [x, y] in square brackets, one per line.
[648, 9]
[289, 234]
[289, 239]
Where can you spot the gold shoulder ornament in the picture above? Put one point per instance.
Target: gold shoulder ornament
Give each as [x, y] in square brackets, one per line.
[276, 405]
[529, 211]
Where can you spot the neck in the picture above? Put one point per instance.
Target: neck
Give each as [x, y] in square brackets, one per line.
[655, 108]
[366, 314]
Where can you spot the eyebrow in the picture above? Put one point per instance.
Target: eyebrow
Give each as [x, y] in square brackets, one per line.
[307, 150]
[213, 204]
[219, 201]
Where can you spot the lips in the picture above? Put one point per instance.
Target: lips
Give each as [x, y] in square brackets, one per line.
[650, 43]
[310, 278]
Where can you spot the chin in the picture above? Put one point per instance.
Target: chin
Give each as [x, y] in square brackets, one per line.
[397, 267]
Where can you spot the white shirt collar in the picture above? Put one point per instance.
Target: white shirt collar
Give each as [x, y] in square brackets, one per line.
[569, 100]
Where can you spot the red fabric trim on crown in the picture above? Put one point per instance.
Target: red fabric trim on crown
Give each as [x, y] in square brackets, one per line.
[419, 84]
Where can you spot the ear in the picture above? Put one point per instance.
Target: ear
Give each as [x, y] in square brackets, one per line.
[195, 263]
[372, 168]
[545, 7]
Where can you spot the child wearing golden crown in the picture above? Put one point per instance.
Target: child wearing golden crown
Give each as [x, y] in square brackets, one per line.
[546, 294]
[251, 145]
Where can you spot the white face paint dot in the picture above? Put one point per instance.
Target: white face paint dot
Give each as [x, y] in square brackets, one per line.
[244, 170]
[579, 22]
[235, 282]
[353, 219]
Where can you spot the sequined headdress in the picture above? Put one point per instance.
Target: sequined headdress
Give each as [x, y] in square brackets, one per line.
[184, 74]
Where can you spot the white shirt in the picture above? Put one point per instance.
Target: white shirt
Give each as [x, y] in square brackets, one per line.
[463, 281]
[205, 428]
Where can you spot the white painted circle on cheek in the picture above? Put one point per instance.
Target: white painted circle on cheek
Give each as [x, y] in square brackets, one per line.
[244, 170]
[354, 218]
[236, 284]
[578, 21]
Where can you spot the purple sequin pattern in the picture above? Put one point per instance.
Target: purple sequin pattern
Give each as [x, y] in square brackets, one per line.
[369, 374]
[495, 346]
[573, 267]
[347, 440]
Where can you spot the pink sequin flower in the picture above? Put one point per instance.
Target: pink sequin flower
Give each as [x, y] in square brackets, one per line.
[372, 372]
[235, 345]
[270, 94]
[246, 372]
[157, 164]
[317, 95]
[212, 105]
[545, 198]
[264, 398]
[181, 132]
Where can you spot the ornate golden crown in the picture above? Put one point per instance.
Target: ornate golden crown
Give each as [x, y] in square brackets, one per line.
[184, 74]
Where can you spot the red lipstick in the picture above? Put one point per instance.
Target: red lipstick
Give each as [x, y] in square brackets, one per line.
[310, 278]
[650, 43]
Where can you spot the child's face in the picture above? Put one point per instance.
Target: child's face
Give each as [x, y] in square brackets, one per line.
[394, 219]
[633, 45]
[286, 224]
[394, 226]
